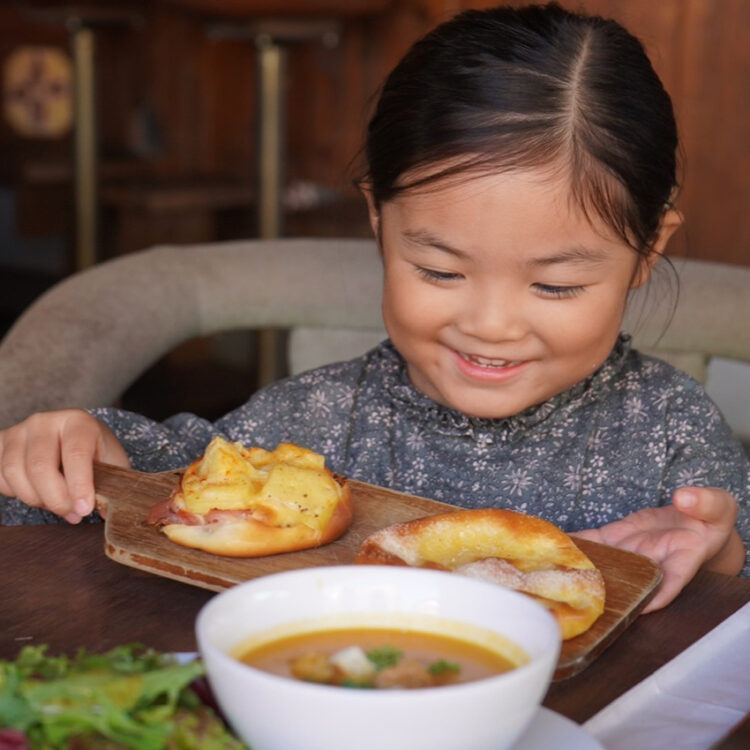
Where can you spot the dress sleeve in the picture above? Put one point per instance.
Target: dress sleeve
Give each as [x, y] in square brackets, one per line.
[160, 446]
[703, 452]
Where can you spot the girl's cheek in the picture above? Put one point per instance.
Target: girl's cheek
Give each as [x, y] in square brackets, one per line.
[579, 321]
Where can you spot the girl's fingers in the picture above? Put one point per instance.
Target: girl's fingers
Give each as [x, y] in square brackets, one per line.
[109, 448]
[47, 461]
[15, 482]
[43, 472]
[615, 534]
[4, 487]
[708, 504]
[79, 444]
[677, 570]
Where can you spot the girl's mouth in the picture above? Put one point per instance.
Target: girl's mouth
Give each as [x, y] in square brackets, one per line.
[495, 364]
[489, 369]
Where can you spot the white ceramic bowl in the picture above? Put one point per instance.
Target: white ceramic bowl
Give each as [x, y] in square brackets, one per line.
[270, 712]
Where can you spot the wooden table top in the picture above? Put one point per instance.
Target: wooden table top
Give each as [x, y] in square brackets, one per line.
[59, 588]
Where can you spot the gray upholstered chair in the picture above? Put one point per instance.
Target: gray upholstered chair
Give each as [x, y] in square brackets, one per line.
[705, 320]
[89, 337]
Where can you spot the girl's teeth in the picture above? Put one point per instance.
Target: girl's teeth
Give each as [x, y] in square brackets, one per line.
[485, 362]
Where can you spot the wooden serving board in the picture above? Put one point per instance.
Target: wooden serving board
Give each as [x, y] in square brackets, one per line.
[631, 580]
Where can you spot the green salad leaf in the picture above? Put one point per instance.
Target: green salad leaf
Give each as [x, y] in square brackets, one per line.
[129, 697]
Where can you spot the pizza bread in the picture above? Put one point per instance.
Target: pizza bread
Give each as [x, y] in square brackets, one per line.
[502, 546]
[252, 502]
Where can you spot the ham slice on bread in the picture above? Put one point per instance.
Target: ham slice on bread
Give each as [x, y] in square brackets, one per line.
[502, 546]
[252, 502]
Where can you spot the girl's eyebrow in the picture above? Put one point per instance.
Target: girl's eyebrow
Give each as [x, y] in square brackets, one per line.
[575, 255]
[427, 239]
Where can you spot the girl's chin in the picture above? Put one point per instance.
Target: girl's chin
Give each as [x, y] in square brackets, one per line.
[479, 398]
[483, 406]
[482, 412]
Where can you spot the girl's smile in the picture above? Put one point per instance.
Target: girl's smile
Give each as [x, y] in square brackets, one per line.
[488, 368]
[499, 293]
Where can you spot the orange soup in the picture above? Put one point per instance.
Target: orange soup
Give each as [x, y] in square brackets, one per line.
[377, 658]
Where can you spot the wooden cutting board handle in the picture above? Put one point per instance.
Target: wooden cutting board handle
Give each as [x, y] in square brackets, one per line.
[116, 485]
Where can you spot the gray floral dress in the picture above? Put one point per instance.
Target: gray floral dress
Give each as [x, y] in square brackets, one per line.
[622, 440]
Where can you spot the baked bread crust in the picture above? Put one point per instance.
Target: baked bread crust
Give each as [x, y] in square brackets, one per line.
[230, 502]
[511, 549]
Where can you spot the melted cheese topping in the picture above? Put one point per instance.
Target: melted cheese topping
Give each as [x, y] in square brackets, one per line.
[284, 487]
[451, 545]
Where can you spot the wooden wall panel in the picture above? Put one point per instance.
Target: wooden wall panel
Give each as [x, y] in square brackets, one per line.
[715, 117]
[179, 65]
[324, 109]
[226, 84]
[700, 49]
[203, 93]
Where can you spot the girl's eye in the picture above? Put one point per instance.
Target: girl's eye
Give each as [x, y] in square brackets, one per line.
[432, 275]
[559, 292]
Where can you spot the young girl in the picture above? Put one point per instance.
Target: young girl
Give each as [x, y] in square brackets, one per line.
[521, 170]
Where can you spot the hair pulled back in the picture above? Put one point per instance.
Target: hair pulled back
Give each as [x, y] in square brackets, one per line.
[538, 86]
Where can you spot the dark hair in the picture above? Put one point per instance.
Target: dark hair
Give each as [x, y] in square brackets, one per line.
[538, 86]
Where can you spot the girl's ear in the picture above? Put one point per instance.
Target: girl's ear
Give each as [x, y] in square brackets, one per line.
[372, 211]
[670, 222]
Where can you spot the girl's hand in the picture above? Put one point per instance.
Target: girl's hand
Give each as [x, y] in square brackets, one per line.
[47, 461]
[696, 530]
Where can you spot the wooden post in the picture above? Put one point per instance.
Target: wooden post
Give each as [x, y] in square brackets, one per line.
[86, 176]
[271, 59]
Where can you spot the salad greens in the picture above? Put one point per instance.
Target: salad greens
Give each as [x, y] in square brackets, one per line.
[129, 697]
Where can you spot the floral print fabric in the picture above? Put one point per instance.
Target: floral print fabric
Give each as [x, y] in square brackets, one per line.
[622, 440]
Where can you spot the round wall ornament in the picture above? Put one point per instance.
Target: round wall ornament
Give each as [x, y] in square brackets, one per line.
[38, 91]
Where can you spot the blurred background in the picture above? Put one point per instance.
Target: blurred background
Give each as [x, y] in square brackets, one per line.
[140, 122]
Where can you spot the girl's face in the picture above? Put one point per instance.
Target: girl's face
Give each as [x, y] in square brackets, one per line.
[498, 293]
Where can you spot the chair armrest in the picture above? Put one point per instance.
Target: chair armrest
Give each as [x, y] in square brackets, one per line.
[711, 316]
[84, 341]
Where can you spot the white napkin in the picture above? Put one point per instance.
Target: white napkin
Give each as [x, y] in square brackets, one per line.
[691, 702]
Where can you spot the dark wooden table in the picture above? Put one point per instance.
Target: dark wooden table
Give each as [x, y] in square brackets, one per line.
[58, 587]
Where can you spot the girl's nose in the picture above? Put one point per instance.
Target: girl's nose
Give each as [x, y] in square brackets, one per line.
[493, 316]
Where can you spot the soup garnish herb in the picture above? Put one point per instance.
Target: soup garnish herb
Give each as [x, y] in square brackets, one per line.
[441, 666]
[385, 656]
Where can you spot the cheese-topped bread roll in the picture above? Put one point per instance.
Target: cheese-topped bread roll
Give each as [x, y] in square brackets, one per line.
[502, 546]
[249, 502]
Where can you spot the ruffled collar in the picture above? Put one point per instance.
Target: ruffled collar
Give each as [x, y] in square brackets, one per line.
[438, 418]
